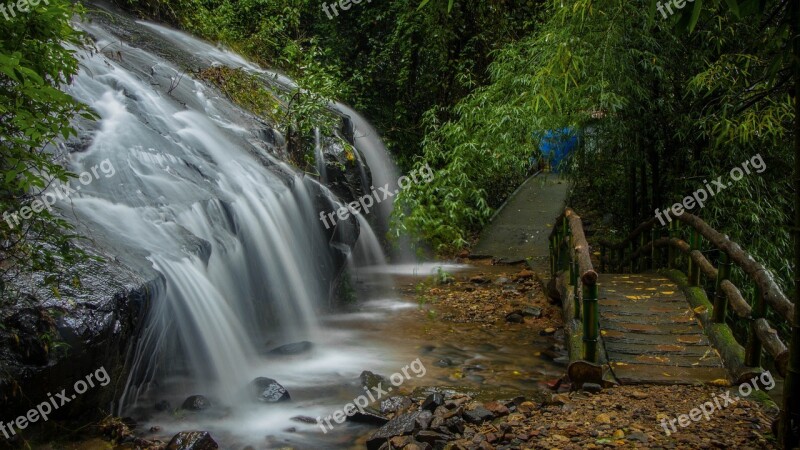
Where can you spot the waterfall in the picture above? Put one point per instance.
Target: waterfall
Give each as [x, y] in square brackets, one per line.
[234, 231]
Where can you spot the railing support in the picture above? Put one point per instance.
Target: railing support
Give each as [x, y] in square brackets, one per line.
[694, 269]
[720, 299]
[591, 322]
[673, 232]
[752, 355]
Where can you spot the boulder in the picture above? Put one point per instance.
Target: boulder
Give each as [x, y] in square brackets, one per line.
[196, 403]
[267, 390]
[192, 440]
[402, 425]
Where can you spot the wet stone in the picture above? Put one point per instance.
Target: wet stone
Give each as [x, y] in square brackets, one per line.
[196, 403]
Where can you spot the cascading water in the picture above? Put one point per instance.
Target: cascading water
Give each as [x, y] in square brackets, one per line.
[239, 245]
[197, 195]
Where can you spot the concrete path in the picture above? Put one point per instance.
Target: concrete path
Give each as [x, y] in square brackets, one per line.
[520, 230]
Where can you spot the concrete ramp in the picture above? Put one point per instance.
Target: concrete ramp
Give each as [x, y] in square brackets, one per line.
[520, 229]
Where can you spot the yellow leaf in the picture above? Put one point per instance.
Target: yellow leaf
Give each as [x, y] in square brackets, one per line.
[701, 309]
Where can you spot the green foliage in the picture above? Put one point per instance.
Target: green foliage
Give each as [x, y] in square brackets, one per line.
[34, 112]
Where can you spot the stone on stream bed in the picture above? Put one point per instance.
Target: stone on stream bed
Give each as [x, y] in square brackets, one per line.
[371, 380]
[402, 425]
[192, 440]
[295, 348]
[267, 390]
[370, 416]
[196, 403]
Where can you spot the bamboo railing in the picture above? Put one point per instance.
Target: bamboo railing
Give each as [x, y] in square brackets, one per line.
[569, 250]
[643, 250]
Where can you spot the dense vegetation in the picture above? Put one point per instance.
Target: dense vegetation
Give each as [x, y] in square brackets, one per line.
[34, 112]
[469, 87]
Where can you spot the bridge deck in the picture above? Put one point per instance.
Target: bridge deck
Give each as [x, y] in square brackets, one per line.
[651, 335]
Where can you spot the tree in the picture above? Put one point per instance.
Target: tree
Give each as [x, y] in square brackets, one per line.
[35, 113]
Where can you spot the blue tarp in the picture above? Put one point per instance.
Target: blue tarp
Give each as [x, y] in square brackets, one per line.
[557, 145]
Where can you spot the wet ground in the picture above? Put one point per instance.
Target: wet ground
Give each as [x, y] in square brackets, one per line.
[451, 318]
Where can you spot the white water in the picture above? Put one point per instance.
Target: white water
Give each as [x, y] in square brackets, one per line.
[235, 233]
[240, 246]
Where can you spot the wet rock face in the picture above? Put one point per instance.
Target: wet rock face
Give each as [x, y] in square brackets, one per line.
[192, 440]
[49, 342]
[267, 390]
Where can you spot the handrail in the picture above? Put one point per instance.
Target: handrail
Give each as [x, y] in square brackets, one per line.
[568, 234]
[761, 334]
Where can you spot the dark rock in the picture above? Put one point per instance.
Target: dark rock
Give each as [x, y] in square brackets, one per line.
[514, 318]
[478, 415]
[292, 349]
[532, 311]
[425, 349]
[431, 437]
[593, 388]
[304, 419]
[402, 425]
[371, 380]
[163, 405]
[444, 362]
[196, 403]
[478, 279]
[192, 440]
[432, 402]
[267, 390]
[370, 416]
[455, 425]
[394, 404]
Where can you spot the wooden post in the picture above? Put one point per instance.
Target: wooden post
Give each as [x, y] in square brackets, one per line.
[672, 232]
[591, 322]
[694, 269]
[752, 355]
[633, 249]
[642, 264]
[575, 297]
[652, 249]
[720, 299]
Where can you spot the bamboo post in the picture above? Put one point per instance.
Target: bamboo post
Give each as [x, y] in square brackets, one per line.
[720, 299]
[652, 249]
[574, 280]
[591, 322]
[694, 269]
[642, 259]
[633, 249]
[672, 232]
[752, 355]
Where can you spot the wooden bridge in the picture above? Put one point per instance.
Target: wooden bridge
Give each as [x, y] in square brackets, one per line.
[651, 320]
